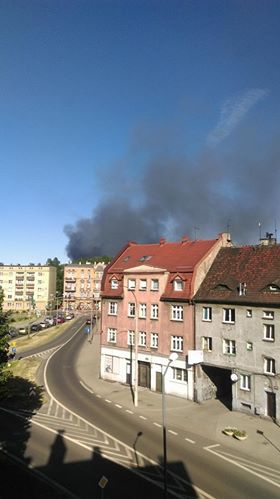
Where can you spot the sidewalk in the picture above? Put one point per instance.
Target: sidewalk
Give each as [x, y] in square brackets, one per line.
[197, 422]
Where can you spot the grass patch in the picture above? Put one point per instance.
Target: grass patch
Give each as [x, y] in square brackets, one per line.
[25, 368]
[36, 339]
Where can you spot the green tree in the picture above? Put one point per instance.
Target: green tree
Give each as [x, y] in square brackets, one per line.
[93, 259]
[4, 327]
[54, 262]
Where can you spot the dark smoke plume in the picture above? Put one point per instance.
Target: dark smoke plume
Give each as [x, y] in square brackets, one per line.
[176, 196]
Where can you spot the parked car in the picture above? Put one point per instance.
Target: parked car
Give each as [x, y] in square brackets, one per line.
[69, 317]
[13, 333]
[23, 330]
[44, 325]
[49, 320]
[36, 327]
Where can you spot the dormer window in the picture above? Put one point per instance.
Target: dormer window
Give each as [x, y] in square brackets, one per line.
[242, 289]
[273, 287]
[114, 284]
[178, 284]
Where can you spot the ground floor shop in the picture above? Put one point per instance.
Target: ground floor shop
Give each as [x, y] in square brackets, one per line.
[119, 365]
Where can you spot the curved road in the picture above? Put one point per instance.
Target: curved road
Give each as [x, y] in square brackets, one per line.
[76, 439]
[195, 469]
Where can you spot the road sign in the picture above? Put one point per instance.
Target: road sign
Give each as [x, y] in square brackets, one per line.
[14, 350]
[32, 391]
[87, 330]
[13, 343]
[103, 482]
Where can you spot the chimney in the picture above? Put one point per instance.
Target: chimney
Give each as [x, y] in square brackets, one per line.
[162, 241]
[268, 240]
[185, 239]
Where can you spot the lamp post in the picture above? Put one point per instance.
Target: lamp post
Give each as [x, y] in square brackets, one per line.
[172, 357]
[135, 348]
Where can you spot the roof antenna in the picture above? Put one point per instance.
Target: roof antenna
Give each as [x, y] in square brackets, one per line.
[260, 230]
[195, 231]
[275, 230]
[228, 225]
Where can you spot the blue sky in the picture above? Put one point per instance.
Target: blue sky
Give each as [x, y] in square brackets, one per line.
[98, 97]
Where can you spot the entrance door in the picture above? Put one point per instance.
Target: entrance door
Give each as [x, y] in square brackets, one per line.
[144, 374]
[271, 404]
[158, 382]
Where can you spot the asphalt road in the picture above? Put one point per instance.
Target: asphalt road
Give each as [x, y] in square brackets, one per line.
[194, 466]
[77, 439]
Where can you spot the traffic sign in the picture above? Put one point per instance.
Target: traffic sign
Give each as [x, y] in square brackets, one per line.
[103, 482]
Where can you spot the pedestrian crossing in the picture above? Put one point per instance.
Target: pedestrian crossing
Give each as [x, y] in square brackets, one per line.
[56, 417]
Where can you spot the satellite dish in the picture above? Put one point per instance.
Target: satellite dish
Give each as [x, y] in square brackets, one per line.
[233, 377]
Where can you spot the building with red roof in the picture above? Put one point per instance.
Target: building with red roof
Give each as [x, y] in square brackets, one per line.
[237, 327]
[147, 293]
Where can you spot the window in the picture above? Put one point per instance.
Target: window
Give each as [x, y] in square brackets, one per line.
[131, 284]
[112, 364]
[130, 337]
[114, 284]
[229, 347]
[143, 284]
[207, 314]
[154, 311]
[154, 340]
[269, 366]
[131, 310]
[112, 335]
[268, 314]
[229, 315]
[142, 339]
[177, 312]
[245, 382]
[249, 346]
[177, 343]
[154, 285]
[178, 285]
[206, 343]
[268, 332]
[249, 312]
[113, 308]
[179, 374]
[142, 310]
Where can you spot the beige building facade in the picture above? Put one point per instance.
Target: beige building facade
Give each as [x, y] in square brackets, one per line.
[27, 287]
[82, 285]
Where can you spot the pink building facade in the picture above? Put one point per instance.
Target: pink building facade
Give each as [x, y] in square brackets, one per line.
[147, 295]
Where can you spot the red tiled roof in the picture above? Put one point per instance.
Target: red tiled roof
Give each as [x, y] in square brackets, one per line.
[257, 267]
[178, 258]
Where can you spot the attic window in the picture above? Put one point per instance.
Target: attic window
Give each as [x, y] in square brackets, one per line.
[273, 287]
[242, 289]
[126, 258]
[144, 258]
[114, 284]
[178, 284]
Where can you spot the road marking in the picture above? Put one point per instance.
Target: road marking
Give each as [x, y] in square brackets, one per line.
[143, 417]
[129, 412]
[99, 396]
[119, 406]
[245, 468]
[172, 432]
[85, 387]
[190, 441]
[157, 424]
[108, 401]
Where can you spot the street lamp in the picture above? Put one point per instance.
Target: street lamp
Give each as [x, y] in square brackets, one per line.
[135, 348]
[172, 357]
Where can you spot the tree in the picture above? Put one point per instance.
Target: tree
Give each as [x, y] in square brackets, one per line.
[54, 262]
[4, 327]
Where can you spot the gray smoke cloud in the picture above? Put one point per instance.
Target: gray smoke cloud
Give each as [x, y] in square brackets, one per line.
[175, 195]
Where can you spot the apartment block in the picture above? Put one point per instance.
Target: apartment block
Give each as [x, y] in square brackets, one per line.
[238, 329]
[82, 285]
[27, 287]
[147, 306]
